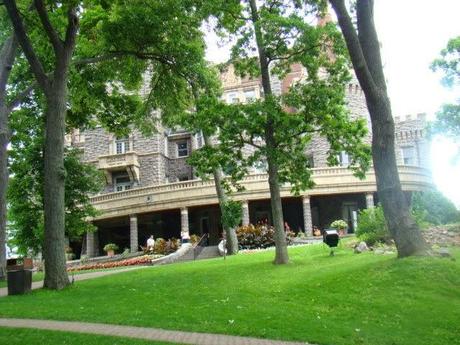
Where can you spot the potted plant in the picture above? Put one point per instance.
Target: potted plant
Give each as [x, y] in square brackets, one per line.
[110, 249]
[340, 225]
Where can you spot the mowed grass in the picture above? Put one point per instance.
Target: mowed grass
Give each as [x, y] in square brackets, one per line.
[346, 299]
[38, 276]
[21, 336]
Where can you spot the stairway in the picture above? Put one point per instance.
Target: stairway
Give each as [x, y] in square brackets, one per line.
[206, 253]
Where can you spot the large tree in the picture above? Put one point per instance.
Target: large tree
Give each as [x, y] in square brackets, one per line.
[270, 37]
[364, 48]
[7, 55]
[54, 87]
[138, 34]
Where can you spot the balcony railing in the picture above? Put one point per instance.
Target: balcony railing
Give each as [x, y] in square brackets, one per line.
[124, 161]
[334, 180]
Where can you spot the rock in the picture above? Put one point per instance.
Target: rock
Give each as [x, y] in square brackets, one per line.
[444, 252]
[361, 247]
[379, 251]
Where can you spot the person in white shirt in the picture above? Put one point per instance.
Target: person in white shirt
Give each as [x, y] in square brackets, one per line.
[185, 236]
[150, 243]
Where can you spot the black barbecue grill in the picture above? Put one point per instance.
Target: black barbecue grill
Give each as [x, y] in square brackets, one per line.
[331, 238]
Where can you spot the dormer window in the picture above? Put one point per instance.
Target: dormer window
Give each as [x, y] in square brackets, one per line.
[121, 145]
[182, 149]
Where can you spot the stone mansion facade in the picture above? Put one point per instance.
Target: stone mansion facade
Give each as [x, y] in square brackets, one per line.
[151, 189]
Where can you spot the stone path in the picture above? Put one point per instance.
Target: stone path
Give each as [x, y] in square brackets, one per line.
[81, 276]
[145, 333]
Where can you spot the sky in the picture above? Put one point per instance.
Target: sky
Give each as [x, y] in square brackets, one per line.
[412, 34]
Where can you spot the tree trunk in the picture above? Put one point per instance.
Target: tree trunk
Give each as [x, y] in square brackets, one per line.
[364, 51]
[230, 233]
[7, 56]
[396, 209]
[54, 179]
[281, 256]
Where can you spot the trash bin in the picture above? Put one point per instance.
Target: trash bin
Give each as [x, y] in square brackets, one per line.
[19, 276]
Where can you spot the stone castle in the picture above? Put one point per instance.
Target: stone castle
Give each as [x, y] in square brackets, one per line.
[151, 189]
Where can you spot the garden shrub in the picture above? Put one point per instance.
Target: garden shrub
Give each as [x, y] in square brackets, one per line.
[372, 227]
[259, 236]
[166, 247]
[433, 207]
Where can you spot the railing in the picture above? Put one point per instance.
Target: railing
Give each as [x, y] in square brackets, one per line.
[193, 184]
[203, 242]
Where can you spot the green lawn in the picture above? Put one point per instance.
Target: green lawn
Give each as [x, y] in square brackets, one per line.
[21, 336]
[38, 276]
[346, 299]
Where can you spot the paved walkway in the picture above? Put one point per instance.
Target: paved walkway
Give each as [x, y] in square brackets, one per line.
[141, 333]
[80, 276]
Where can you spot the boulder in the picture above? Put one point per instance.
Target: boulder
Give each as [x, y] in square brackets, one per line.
[361, 247]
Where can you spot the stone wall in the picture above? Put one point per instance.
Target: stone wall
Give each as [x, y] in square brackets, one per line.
[96, 144]
[410, 131]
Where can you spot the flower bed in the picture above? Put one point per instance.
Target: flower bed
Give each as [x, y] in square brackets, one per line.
[140, 260]
[259, 236]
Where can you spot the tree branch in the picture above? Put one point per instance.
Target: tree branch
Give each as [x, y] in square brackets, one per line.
[53, 36]
[7, 56]
[369, 41]
[354, 47]
[72, 27]
[24, 41]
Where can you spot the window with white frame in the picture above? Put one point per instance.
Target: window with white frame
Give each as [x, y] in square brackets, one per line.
[232, 97]
[249, 95]
[408, 155]
[182, 149]
[344, 159]
[121, 145]
[122, 183]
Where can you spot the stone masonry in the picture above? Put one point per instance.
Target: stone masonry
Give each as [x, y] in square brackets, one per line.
[158, 156]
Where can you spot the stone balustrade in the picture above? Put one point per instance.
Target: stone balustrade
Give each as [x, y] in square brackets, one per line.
[333, 180]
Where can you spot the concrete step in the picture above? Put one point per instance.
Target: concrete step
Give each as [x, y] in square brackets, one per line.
[206, 253]
[209, 252]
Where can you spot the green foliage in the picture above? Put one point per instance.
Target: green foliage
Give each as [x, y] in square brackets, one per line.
[110, 247]
[433, 207]
[372, 227]
[339, 224]
[259, 236]
[25, 193]
[231, 214]
[447, 121]
[449, 62]
[315, 106]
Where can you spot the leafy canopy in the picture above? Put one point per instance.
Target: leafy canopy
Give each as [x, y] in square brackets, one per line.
[313, 106]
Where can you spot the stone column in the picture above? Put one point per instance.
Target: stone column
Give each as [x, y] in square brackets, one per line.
[133, 233]
[245, 214]
[184, 226]
[308, 225]
[369, 200]
[90, 244]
